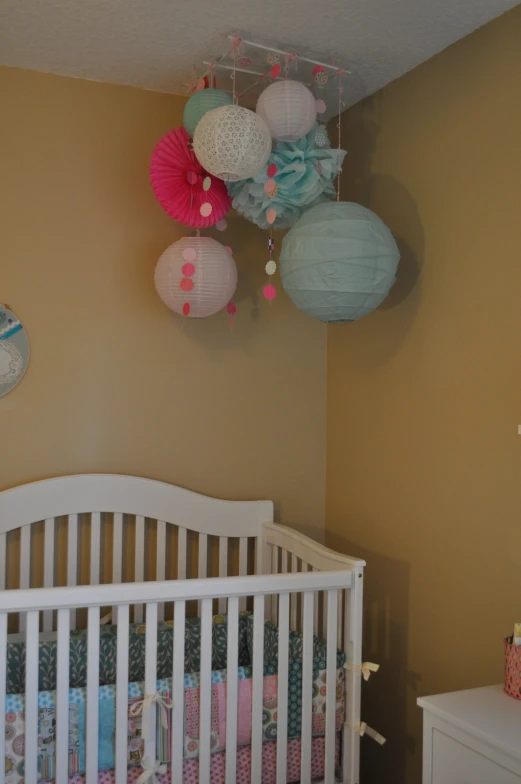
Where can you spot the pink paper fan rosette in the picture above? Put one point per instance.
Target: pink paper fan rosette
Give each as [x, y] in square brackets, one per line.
[177, 181]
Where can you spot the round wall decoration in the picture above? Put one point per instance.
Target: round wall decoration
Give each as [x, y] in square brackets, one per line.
[14, 350]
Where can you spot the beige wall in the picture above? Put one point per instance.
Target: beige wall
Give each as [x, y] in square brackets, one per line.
[424, 396]
[116, 382]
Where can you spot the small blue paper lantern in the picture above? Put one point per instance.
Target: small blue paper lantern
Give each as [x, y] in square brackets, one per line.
[338, 262]
[202, 102]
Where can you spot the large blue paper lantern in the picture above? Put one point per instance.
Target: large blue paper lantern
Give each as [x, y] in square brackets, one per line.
[338, 262]
[202, 102]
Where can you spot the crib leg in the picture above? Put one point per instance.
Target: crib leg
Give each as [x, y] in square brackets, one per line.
[353, 649]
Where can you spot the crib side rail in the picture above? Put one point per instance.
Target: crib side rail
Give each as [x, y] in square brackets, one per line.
[149, 596]
[298, 546]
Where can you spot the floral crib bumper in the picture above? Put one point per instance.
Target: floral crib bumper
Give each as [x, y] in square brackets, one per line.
[106, 748]
[108, 650]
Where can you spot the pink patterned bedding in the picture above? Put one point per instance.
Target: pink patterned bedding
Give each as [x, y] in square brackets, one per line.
[218, 766]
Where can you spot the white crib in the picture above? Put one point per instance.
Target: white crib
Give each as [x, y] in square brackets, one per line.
[74, 548]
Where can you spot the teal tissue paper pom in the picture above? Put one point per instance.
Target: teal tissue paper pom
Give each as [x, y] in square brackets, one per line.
[305, 174]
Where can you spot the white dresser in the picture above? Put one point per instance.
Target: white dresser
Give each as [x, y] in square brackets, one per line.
[471, 737]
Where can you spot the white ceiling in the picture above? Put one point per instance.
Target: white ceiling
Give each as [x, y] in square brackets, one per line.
[156, 43]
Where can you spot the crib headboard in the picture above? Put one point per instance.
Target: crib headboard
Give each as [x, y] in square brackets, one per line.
[103, 528]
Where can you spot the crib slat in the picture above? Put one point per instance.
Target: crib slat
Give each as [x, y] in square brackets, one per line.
[339, 620]
[3, 544]
[223, 568]
[92, 717]
[178, 694]
[72, 557]
[282, 696]
[25, 567]
[139, 563]
[25, 556]
[284, 561]
[332, 604]
[181, 554]
[62, 698]
[150, 675]
[257, 689]
[307, 687]
[315, 608]
[274, 570]
[95, 547]
[3, 689]
[161, 562]
[31, 697]
[202, 567]
[205, 691]
[48, 568]
[232, 689]
[243, 565]
[123, 614]
[294, 597]
[117, 556]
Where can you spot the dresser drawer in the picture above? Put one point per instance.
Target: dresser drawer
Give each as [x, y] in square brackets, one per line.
[455, 763]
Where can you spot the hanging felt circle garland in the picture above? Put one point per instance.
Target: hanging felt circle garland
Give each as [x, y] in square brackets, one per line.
[183, 188]
[338, 263]
[298, 175]
[196, 276]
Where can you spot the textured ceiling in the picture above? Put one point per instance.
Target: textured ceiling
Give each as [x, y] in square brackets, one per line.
[156, 43]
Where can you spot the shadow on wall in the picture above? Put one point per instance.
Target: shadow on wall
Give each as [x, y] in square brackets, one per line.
[396, 206]
[386, 694]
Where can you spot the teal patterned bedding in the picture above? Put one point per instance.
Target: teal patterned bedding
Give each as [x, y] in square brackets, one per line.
[108, 649]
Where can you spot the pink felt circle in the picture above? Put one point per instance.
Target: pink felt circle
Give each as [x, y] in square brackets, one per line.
[272, 170]
[269, 291]
[271, 216]
[186, 309]
[231, 307]
[221, 225]
[269, 185]
[321, 106]
[186, 284]
[188, 270]
[205, 209]
[191, 177]
[189, 254]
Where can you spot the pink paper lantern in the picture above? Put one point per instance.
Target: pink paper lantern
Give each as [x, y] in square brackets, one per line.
[180, 183]
[212, 272]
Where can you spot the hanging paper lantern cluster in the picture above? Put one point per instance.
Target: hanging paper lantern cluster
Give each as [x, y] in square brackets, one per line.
[338, 263]
[196, 276]
[299, 174]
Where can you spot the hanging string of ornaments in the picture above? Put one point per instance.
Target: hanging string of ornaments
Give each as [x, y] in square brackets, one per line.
[275, 166]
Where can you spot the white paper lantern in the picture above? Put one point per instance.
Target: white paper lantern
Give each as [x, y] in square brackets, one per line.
[232, 143]
[288, 109]
[196, 277]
